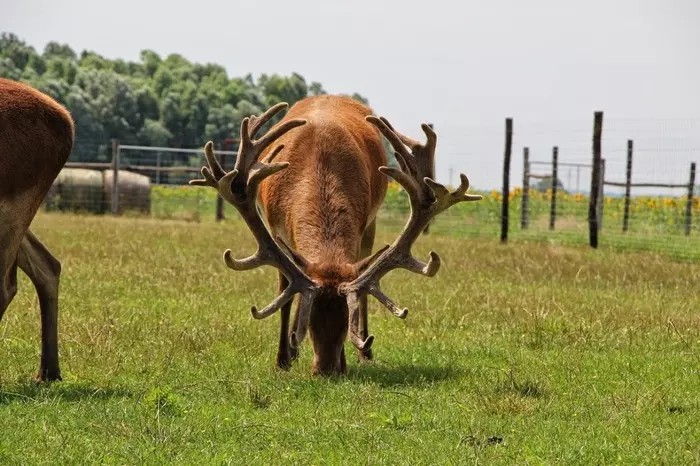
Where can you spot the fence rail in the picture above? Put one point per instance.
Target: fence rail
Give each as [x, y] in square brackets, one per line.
[645, 185]
[132, 167]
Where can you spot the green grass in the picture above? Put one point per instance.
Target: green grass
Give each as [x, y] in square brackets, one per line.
[529, 353]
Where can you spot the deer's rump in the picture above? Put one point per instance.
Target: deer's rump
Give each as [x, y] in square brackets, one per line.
[36, 138]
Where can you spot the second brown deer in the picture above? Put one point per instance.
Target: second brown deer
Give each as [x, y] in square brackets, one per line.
[319, 190]
[36, 138]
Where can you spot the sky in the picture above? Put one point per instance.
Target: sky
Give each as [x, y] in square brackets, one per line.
[464, 66]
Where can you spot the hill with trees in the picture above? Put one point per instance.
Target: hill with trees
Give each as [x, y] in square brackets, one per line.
[157, 101]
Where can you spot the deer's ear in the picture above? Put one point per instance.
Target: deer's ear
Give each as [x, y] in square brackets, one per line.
[296, 257]
[361, 265]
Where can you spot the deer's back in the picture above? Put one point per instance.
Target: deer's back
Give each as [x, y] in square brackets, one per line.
[332, 188]
[36, 138]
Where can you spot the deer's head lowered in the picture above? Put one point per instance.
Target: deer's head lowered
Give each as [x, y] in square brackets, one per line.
[331, 290]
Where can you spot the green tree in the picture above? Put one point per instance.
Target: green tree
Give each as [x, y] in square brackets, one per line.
[221, 123]
[16, 50]
[151, 62]
[153, 101]
[315, 88]
[93, 61]
[56, 50]
[546, 183]
[147, 102]
[8, 69]
[283, 89]
[88, 127]
[360, 98]
[154, 133]
[162, 80]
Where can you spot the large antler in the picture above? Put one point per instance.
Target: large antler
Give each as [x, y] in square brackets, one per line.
[428, 198]
[240, 188]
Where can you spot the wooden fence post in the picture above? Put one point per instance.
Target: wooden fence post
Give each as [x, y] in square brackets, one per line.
[628, 187]
[689, 205]
[115, 176]
[426, 230]
[555, 170]
[595, 180]
[526, 189]
[219, 199]
[601, 194]
[506, 180]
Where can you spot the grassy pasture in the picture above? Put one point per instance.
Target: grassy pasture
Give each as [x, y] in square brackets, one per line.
[529, 353]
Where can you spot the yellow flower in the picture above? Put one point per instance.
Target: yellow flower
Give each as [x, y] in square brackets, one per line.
[394, 186]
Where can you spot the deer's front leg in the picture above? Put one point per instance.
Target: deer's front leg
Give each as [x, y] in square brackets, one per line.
[366, 251]
[285, 353]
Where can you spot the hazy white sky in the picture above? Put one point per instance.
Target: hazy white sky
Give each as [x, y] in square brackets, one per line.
[462, 65]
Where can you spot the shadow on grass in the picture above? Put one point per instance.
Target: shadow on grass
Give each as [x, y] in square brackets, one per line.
[30, 392]
[402, 374]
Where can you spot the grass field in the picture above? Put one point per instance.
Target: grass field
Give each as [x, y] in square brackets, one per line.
[529, 353]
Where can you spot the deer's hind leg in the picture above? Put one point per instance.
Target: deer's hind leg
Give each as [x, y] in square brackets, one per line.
[44, 270]
[8, 285]
[12, 228]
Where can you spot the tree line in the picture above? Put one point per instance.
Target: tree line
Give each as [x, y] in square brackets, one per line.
[156, 101]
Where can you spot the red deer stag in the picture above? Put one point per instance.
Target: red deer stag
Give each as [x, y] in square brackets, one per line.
[36, 138]
[319, 190]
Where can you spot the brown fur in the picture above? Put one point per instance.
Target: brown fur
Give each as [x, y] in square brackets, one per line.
[36, 138]
[324, 206]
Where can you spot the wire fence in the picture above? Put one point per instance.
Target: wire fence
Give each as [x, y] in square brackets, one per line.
[631, 186]
[635, 189]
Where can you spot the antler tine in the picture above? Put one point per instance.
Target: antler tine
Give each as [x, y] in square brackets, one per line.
[250, 149]
[277, 132]
[274, 306]
[428, 199]
[249, 263]
[258, 122]
[385, 128]
[410, 142]
[216, 169]
[464, 187]
[213, 173]
[386, 301]
[430, 135]
[240, 188]
[354, 322]
[307, 300]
